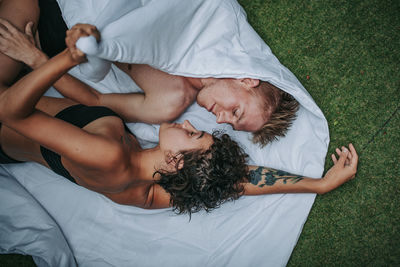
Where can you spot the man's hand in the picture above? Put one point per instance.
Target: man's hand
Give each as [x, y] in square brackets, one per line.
[73, 35]
[20, 46]
[344, 169]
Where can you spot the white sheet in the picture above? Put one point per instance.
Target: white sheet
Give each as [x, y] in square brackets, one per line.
[192, 38]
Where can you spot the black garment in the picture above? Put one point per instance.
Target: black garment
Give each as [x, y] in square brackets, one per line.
[51, 28]
[4, 158]
[80, 116]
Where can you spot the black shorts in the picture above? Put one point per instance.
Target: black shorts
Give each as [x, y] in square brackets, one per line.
[4, 158]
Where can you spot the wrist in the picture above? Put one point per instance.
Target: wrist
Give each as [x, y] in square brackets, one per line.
[321, 186]
[38, 60]
[69, 59]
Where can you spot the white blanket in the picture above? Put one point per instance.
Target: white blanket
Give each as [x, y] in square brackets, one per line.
[53, 219]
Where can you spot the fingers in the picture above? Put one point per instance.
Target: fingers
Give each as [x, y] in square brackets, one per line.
[7, 26]
[28, 29]
[354, 160]
[37, 40]
[76, 32]
[3, 29]
[353, 153]
[348, 159]
[340, 153]
[86, 29]
[334, 159]
[343, 156]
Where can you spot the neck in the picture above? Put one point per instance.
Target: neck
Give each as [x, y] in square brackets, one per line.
[148, 161]
[196, 83]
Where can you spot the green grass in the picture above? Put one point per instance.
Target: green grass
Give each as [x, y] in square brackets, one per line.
[350, 52]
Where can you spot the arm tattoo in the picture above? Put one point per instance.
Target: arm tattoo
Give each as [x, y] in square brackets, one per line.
[270, 176]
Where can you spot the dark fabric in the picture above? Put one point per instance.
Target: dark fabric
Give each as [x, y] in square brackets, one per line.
[80, 116]
[51, 28]
[4, 158]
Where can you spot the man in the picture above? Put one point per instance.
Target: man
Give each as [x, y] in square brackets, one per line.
[247, 104]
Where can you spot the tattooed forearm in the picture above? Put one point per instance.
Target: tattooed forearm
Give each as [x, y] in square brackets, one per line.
[265, 176]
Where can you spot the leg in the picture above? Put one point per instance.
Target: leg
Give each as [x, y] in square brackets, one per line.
[19, 13]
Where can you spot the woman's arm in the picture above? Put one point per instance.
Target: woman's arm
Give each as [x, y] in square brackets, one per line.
[263, 180]
[131, 107]
[22, 47]
[19, 101]
[17, 111]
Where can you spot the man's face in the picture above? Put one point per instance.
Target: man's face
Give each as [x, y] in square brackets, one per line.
[233, 101]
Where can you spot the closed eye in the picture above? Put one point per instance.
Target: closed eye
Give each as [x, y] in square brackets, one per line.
[235, 112]
[201, 135]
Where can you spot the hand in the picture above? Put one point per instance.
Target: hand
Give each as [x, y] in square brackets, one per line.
[20, 46]
[344, 169]
[76, 32]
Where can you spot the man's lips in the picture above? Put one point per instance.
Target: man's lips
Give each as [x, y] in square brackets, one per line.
[210, 109]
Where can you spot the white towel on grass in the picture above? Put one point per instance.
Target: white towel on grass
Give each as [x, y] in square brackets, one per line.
[209, 38]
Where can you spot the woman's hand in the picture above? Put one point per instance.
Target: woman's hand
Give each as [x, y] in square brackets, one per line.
[73, 35]
[344, 169]
[21, 46]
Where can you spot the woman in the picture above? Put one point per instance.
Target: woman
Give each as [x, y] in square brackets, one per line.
[189, 169]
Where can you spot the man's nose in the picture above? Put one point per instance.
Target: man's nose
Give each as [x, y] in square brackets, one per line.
[223, 117]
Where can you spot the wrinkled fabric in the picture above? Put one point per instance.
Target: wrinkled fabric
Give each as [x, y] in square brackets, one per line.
[209, 38]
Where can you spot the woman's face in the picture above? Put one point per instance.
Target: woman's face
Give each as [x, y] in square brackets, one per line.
[177, 137]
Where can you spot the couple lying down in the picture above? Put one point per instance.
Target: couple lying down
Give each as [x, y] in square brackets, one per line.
[189, 169]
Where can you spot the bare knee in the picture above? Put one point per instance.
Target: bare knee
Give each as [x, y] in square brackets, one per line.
[18, 13]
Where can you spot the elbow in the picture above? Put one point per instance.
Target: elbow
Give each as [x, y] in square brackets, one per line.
[10, 113]
[149, 201]
[170, 114]
[97, 99]
[177, 103]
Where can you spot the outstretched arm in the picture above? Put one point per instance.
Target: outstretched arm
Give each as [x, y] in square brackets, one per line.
[264, 180]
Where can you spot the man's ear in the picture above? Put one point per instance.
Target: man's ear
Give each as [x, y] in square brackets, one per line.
[250, 83]
[172, 159]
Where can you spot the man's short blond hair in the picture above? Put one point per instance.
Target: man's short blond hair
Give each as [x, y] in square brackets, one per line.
[280, 111]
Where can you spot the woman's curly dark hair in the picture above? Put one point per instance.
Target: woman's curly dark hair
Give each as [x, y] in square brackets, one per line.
[208, 178]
